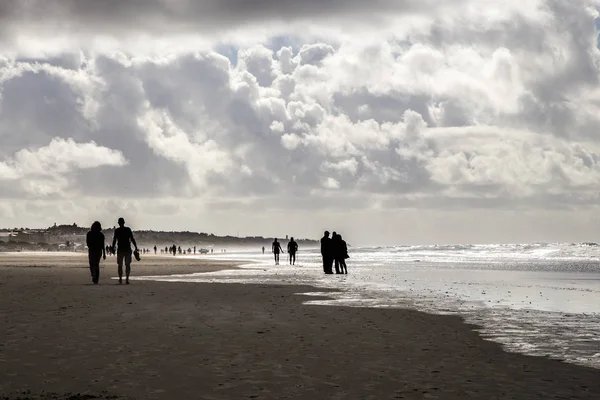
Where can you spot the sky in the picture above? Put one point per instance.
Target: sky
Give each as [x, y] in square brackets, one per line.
[392, 122]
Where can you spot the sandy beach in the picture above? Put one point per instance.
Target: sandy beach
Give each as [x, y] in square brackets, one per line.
[61, 337]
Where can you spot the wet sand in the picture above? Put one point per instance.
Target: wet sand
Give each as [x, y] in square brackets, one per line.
[63, 338]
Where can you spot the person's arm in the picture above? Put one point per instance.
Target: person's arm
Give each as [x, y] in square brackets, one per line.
[281, 248]
[103, 247]
[132, 239]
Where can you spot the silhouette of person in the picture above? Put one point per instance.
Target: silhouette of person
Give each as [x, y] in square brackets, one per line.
[292, 248]
[96, 249]
[342, 254]
[263, 249]
[179, 249]
[335, 244]
[327, 253]
[194, 249]
[276, 247]
[154, 249]
[123, 237]
[174, 249]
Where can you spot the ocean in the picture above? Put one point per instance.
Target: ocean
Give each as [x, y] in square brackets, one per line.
[538, 299]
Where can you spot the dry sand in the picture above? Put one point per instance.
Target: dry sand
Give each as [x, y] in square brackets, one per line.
[63, 338]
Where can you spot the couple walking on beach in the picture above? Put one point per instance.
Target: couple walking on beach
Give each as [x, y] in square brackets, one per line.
[334, 250]
[292, 248]
[123, 237]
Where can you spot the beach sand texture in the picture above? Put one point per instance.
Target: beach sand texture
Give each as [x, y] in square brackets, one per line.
[61, 336]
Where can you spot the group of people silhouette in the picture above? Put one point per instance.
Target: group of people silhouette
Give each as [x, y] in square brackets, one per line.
[334, 251]
[123, 239]
[174, 250]
[292, 249]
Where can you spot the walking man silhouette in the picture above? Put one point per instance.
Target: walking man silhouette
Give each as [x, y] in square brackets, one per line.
[123, 237]
[292, 249]
[276, 246]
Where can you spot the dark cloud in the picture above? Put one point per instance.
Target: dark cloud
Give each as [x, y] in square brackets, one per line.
[173, 15]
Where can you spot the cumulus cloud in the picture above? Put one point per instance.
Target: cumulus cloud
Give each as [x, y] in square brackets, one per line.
[45, 170]
[466, 105]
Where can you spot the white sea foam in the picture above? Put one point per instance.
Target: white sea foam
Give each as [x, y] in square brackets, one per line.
[539, 299]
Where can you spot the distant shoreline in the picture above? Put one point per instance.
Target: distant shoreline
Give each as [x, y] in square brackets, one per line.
[72, 238]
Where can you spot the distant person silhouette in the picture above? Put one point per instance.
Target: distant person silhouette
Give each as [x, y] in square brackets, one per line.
[292, 248]
[155, 249]
[96, 249]
[276, 246]
[335, 244]
[341, 253]
[123, 237]
[194, 249]
[263, 249]
[327, 253]
[179, 249]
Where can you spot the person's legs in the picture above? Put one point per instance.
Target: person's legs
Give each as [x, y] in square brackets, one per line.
[120, 256]
[293, 256]
[337, 266]
[94, 261]
[329, 265]
[96, 271]
[127, 266]
[343, 266]
[324, 264]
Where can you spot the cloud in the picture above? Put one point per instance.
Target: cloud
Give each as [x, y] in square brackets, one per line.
[459, 105]
[45, 170]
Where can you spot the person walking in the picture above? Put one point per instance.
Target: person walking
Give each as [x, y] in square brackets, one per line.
[292, 249]
[96, 249]
[276, 247]
[123, 238]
